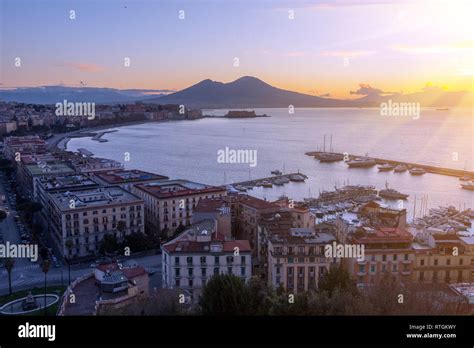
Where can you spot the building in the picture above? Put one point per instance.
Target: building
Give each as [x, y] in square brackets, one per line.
[295, 256]
[300, 214]
[170, 203]
[79, 220]
[44, 185]
[29, 172]
[249, 210]
[126, 178]
[386, 250]
[191, 259]
[445, 259]
[23, 145]
[219, 209]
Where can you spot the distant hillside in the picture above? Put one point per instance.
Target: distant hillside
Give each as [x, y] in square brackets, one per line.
[246, 92]
[250, 92]
[55, 94]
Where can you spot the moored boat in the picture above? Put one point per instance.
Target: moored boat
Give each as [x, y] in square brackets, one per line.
[417, 171]
[400, 168]
[361, 162]
[385, 167]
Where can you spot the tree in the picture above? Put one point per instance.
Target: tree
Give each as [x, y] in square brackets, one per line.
[224, 294]
[3, 215]
[69, 243]
[45, 269]
[9, 264]
[109, 244]
[337, 278]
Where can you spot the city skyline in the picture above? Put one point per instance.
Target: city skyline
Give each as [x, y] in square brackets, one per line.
[301, 46]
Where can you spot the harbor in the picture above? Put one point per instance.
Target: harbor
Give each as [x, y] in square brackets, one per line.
[278, 179]
[387, 164]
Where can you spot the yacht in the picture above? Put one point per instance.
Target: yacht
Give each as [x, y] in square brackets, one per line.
[330, 157]
[276, 172]
[468, 185]
[400, 168]
[385, 167]
[417, 171]
[361, 162]
[267, 184]
[389, 193]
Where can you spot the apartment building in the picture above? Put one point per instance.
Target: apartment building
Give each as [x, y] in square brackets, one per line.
[192, 258]
[295, 257]
[23, 145]
[79, 220]
[170, 203]
[387, 250]
[445, 259]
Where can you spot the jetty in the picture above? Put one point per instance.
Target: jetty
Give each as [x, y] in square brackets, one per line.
[278, 180]
[428, 168]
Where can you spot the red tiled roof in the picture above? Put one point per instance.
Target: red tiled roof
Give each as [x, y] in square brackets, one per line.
[156, 191]
[256, 202]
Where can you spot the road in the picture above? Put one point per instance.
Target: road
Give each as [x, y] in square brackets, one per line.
[27, 274]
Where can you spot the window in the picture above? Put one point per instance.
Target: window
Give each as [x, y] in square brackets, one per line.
[395, 257]
[203, 259]
[406, 257]
[177, 282]
[230, 259]
[189, 260]
[436, 262]
[372, 268]
[361, 268]
[448, 262]
[203, 272]
[216, 270]
[394, 268]
[242, 259]
[384, 257]
[242, 271]
[190, 282]
[461, 261]
[422, 262]
[190, 272]
[216, 260]
[176, 271]
[176, 260]
[229, 270]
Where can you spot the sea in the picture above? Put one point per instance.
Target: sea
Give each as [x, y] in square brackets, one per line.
[189, 150]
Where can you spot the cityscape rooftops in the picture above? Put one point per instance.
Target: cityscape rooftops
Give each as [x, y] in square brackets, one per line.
[67, 182]
[202, 238]
[255, 202]
[117, 177]
[56, 168]
[177, 188]
[383, 235]
[91, 198]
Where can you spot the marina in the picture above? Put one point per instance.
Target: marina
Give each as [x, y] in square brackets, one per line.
[277, 179]
[397, 166]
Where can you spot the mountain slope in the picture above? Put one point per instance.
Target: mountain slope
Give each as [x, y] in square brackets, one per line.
[245, 92]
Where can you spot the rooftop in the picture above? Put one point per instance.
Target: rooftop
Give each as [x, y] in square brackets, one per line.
[49, 168]
[69, 182]
[255, 202]
[126, 176]
[90, 198]
[177, 188]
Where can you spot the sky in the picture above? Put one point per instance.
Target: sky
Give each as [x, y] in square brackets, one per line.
[327, 48]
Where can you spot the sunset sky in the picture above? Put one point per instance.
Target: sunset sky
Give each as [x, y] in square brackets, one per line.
[330, 47]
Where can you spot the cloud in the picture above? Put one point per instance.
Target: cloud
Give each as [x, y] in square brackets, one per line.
[84, 67]
[326, 95]
[346, 54]
[366, 89]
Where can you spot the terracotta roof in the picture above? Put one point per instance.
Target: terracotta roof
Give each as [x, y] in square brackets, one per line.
[256, 202]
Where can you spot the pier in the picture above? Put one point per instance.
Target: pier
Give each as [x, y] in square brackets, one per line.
[273, 180]
[429, 169]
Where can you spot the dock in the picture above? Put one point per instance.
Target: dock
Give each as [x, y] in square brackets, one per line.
[294, 177]
[428, 168]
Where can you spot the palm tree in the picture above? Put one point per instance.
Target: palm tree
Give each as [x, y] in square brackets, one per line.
[69, 243]
[9, 264]
[45, 269]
